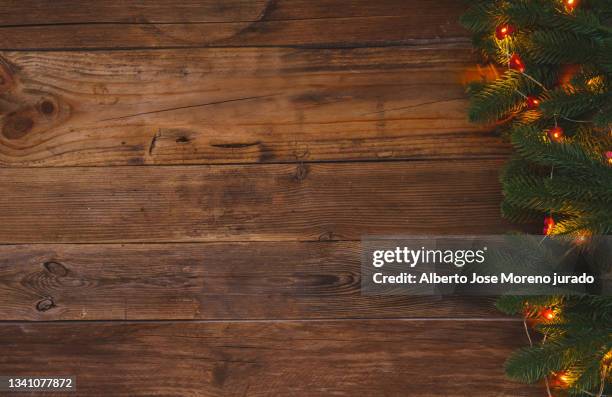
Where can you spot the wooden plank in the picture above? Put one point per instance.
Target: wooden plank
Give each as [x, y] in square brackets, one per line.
[37, 24]
[237, 106]
[281, 280]
[340, 201]
[345, 358]
[38, 12]
[32, 12]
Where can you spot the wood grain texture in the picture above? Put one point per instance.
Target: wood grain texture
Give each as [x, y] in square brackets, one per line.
[265, 124]
[94, 24]
[278, 280]
[338, 201]
[32, 12]
[343, 358]
[237, 106]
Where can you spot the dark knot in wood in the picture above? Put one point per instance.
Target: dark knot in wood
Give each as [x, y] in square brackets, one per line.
[47, 107]
[5, 75]
[301, 172]
[45, 304]
[56, 268]
[326, 236]
[16, 126]
[182, 139]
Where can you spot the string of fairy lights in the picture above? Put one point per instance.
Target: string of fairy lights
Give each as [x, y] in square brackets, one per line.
[562, 379]
[516, 63]
[504, 31]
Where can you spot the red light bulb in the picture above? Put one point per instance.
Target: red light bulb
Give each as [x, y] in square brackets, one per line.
[503, 31]
[571, 4]
[549, 224]
[556, 134]
[609, 157]
[532, 102]
[548, 314]
[516, 63]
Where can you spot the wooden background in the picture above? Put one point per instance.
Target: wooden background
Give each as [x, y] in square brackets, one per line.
[183, 187]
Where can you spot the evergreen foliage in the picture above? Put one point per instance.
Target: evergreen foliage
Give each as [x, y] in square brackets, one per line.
[561, 168]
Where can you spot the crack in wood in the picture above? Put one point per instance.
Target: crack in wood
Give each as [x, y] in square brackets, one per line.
[154, 141]
[189, 107]
[253, 26]
[235, 145]
[417, 105]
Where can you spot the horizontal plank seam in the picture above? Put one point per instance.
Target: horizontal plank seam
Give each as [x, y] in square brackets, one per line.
[145, 22]
[329, 46]
[271, 163]
[128, 243]
[298, 320]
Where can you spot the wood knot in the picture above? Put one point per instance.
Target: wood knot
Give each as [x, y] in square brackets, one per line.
[6, 81]
[183, 139]
[17, 126]
[219, 374]
[45, 304]
[301, 172]
[47, 107]
[56, 268]
[327, 236]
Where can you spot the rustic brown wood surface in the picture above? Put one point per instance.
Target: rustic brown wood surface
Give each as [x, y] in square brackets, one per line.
[309, 280]
[37, 12]
[336, 201]
[278, 358]
[237, 106]
[136, 24]
[183, 186]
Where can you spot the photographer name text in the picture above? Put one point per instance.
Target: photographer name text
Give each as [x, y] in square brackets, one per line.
[502, 278]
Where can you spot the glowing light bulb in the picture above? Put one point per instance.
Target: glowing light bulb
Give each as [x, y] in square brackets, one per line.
[582, 238]
[556, 134]
[503, 31]
[549, 224]
[532, 102]
[562, 379]
[571, 4]
[607, 359]
[548, 314]
[516, 63]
